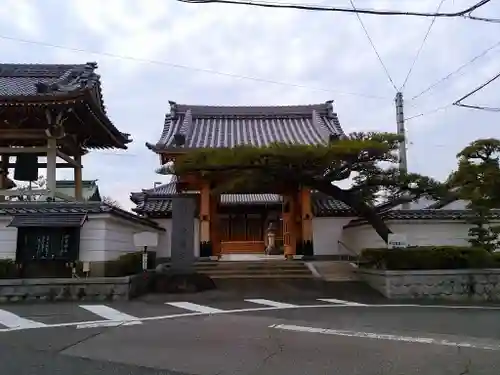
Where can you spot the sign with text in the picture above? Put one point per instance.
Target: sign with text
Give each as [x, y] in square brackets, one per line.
[149, 239]
[397, 240]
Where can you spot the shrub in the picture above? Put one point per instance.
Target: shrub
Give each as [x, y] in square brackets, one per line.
[129, 264]
[427, 258]
[7, 269]
[496, 258]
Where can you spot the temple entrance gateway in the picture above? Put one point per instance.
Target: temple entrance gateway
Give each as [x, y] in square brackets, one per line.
[236, 222]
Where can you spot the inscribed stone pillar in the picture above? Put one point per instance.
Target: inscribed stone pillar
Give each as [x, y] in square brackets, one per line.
[182, 252]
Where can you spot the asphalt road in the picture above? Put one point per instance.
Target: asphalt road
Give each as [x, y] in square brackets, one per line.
[234, 336]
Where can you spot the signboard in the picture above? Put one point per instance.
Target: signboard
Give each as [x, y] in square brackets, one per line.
[146, 239]
[396, 241]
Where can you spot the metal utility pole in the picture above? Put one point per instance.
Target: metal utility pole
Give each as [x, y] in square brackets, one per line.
[400, 120]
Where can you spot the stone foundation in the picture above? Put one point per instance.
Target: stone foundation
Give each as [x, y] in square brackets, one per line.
[83, 289]
[473, 284]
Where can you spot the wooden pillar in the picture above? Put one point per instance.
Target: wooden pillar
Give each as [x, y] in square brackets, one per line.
[306, 214]
[205, 213]
[51, 167]
[289, 225]
[215, 235]
[78, 178]
[4, 167]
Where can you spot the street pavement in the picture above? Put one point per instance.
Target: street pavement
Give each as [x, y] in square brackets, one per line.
[206, 334]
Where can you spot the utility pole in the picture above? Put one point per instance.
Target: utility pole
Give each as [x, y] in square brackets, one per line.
[400, 120]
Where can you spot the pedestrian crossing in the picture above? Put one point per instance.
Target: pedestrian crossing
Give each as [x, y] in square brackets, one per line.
[134, 313]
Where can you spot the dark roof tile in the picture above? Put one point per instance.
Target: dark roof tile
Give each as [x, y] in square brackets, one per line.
[47, 83]
[48, 208]
[46, 220]
[156, 201]
[43, 79]
[212, 126]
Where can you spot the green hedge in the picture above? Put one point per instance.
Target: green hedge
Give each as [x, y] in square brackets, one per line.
[428, 258]
[129, 264]
[8, 269]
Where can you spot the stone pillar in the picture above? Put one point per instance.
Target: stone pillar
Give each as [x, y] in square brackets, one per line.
[182, 241]
[78, 179]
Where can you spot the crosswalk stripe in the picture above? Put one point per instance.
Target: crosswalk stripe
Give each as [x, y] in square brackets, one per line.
[340, 301]
[195, 307]
[268, 302]
[109, 313]
[11, 320]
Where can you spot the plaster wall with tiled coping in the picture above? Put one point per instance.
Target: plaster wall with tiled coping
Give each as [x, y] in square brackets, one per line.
[457, 285]
[105, 237]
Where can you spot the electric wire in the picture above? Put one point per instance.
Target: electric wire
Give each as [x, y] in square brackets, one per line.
[421, 46]
[269, 4]
[373, 46]
[458, 70]
[186, 67]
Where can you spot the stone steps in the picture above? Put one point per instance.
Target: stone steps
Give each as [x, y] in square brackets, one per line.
[267, 269]
[335, 270]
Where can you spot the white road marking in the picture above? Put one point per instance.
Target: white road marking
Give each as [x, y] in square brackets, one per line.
[381, 336]
[113, 316]
[342, 302]
[195, 307]
[257, 309]
[268, 302]
[11, 320]
[107, 323]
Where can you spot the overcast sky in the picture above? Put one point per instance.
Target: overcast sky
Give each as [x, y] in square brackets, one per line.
[150, 52]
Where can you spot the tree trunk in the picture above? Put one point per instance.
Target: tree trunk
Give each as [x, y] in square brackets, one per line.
[361, 208]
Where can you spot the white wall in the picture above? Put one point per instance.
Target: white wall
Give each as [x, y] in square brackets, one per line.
[327, 231]
[418, 233]
[8, 239]
[105, 237]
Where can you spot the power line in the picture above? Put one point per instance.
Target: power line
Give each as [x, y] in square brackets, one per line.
[269, 4]
[459, 104]
[491, 109]
[421, 46]
[459, 69]
[180, 66]
[438, 109]
[373, 46]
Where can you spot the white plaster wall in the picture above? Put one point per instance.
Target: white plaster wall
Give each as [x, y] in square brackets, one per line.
[418, 233]
[106, 237]
[8, 239]
[93, 239]
[327, 232]
[164, 239]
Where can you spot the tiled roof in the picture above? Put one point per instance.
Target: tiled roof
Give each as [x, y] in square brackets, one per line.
[43, 84]
[424, 214]
[213, 126]
[46, 220]
[90, 190]
[232, 199]
[323, 205]
[43, 79]
[155, 202]
[48, 208]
